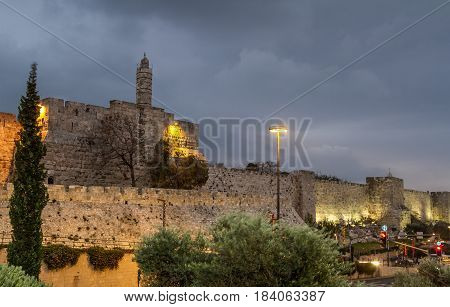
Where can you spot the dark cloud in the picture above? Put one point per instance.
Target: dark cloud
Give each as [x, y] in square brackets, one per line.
[246, 58]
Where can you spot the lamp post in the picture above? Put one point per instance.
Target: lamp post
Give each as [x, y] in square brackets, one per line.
[278, 130]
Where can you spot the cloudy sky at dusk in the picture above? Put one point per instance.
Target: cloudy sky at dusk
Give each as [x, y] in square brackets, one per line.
[247, 58]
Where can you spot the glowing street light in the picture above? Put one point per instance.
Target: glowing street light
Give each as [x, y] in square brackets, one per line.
[278, 130]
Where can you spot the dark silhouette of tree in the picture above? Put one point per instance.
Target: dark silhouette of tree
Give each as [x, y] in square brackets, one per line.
[176, 172]
[117, 139]
[30, 194]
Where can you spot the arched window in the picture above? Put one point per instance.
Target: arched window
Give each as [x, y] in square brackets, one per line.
[50, 180]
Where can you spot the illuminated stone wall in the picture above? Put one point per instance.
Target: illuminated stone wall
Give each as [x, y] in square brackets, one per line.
[73, 159]
[420, 204]
[441, 206]
[9, 129]
[341, 201]
[126, 214]
[381, 198]
[83, 275]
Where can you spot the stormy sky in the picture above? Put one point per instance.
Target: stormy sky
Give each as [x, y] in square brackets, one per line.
[239, 59]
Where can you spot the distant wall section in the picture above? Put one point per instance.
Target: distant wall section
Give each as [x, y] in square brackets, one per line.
[9, 129]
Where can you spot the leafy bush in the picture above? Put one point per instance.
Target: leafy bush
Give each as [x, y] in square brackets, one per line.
[166, 257]
[411, 280]
[102, 259]
[243, 251]
[59, 256]
[11, 276]
[366, 248]
[430, 274]
[170, 170]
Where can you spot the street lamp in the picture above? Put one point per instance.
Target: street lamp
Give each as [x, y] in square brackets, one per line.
[278, 130]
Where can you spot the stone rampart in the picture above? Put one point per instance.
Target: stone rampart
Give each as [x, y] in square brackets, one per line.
[9, 128]
[420, 204]
[126, 214]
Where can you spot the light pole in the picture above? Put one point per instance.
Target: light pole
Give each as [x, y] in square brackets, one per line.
[278, 130]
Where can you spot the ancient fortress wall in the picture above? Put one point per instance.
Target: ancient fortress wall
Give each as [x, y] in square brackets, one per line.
[73, 157]
[420, 204]
[337, 200]
[9, 128]
[441, 205]
[381, 198]
[126, 214]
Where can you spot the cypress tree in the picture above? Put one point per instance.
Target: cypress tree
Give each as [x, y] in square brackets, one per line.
[30, 194]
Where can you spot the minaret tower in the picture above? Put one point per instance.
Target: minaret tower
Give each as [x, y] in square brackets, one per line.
[144, 83]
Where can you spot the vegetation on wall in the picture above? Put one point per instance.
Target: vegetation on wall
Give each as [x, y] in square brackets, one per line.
[11, 276]
[30, 194]
[59, 256]
[102, 259]
[241, 250]
[176, 172]
[326, 177]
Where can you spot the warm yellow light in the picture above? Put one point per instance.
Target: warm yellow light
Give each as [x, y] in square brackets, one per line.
[377, 263]
[41, 111]
[173, 130]
[278, 129]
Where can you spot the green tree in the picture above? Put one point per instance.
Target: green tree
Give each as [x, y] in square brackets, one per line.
[243, 251]
[30, 194]
[249, 251]
[176, 172]
[11, 276]
[166, 258]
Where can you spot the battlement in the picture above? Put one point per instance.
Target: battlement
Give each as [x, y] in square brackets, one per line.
[7, 118]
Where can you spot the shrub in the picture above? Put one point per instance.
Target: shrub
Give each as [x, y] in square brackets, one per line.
[11, 276]
[249, 251]
[102, 259]
[166, 257]
[171, 170]
[366, 248]
[411, 280]
[59, 256]
[243, 251]
[430, 274]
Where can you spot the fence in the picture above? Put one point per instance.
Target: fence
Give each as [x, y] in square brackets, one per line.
[78, 242]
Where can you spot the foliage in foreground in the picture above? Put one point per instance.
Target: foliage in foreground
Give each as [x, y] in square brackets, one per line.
[430, 274]
[167, 258]
[242, 251]
[11, 276]
[30, 194]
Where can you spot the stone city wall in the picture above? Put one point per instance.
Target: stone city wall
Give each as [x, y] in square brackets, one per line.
[74, 158]
[93, 213]
[441, 206]
[9, 127]
[83, 275]
[381, 198]
[420, 204]
[341, 201]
